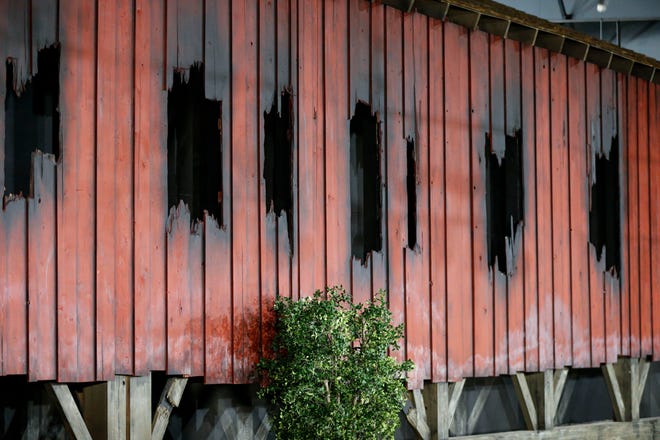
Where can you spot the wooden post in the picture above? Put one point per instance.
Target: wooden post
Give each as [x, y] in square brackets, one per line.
[478, 408]
[169, 399]
[539, 396]
[70, 412]
[526, 401]
[417, 416]
[625, 381]
[139, 407]
[440, 401]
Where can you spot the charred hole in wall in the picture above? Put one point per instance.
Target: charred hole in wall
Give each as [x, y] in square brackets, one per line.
[504, 199]
[604, 220]
[278, 159]
[411, 186]
[365, 182]
[32, 119]
[194, 145]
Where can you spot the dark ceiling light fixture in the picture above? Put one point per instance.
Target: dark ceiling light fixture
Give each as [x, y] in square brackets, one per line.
[601, 7]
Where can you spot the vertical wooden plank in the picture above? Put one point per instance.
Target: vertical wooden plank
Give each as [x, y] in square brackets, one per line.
[530, 223]
[579, 209]
[17, 42]
[294, 68]
[114, 179]
[396, 169]
[359, 42]
[311, 173]
[515, 277]
[14, 340]
[644, 317]
[218, 319]
[561, 251]
[596, 267]
[457, 179]
[544, 208]
[184, 35]
[218, 328]
[268, 91]
[338, 112]
[196, 273]
[42, 344]
[42, 306]
[417, 260]
[360, 279]
[613, 110]
[179, 331]
[484, 359]
[498, 145]
[76, 189]
[283, 29]
[377, 94]
[632, 155]
[654, 173]
[150, 181]
[43, 27]
[245, 190]
[437, 236]
[4, 5]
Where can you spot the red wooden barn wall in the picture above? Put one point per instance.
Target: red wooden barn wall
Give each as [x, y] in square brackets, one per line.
[96, 279]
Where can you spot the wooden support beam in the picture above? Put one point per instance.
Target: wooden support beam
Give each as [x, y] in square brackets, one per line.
[448, 398]
[139, 407]
[539, 396]
[70, 412]
[169, 399]
[526, 401]
[417, 416]
[644, 428]
[560, 414]
[439, 402]
[478, 408]
[616, 394]
[625, 381]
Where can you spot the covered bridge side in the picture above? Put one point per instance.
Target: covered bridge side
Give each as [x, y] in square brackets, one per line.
[496, 169]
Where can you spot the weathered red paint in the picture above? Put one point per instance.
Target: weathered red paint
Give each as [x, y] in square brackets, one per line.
[97, 280]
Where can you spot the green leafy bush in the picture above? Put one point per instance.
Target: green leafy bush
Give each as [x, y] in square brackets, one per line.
[330, 376]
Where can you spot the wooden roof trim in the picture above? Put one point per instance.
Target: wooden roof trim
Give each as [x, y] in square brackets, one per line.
[498, 19]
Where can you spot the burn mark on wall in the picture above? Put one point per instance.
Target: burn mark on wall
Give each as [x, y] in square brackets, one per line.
[504, 199]
[278, 159]
[365, 182]
[411, 186]
[194, 145]
[32, 119]
[604, 220]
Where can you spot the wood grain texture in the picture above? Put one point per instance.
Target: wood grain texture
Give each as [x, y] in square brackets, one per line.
[654, 197]
[41, 272]
[98, 281]
[338, 110]
[530, 229]
[457, 178]
[76, 193]
[579, 215]
[114, 193]
[515, 291]
[245, 190]
[437, 237]
[595, 143]
[544, 209]
[484, 360]
[561, 258]
[150, 178]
